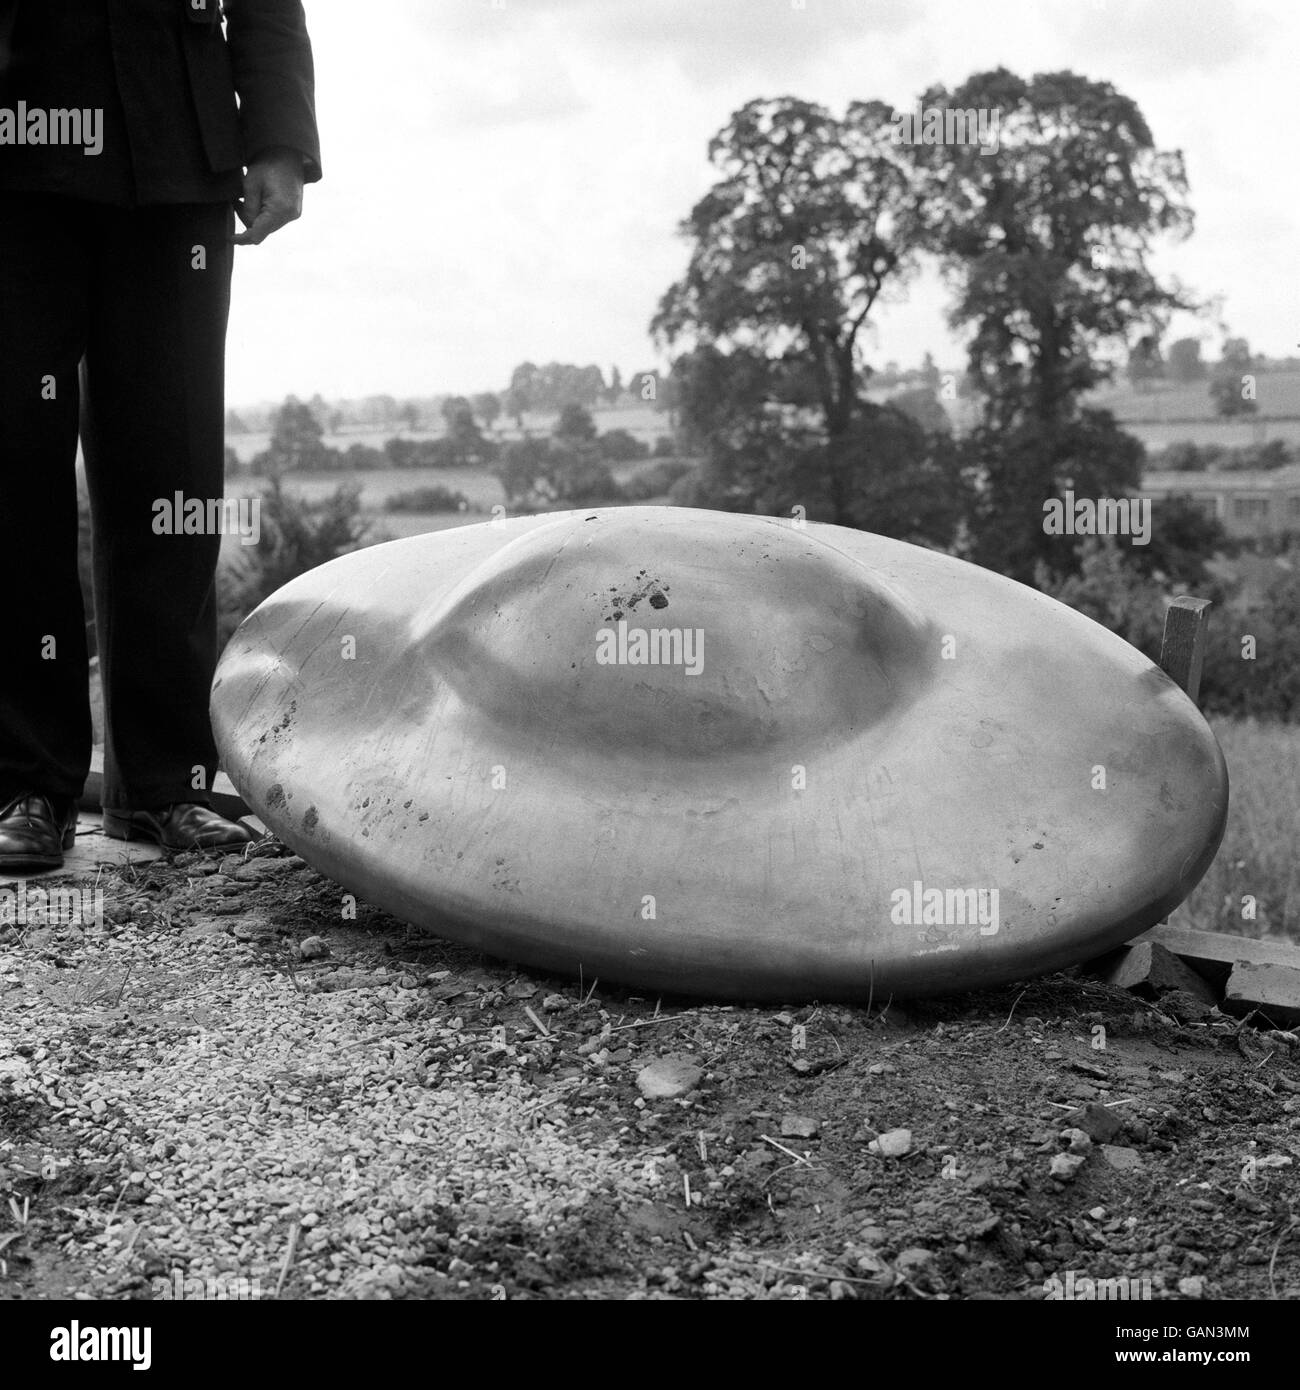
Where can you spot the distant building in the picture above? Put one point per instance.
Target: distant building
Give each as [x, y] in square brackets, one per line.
[1250, 506]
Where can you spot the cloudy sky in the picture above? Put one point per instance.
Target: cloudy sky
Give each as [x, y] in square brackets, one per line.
[504, 178]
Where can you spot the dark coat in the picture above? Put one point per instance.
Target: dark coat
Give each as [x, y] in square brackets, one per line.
[167, 87]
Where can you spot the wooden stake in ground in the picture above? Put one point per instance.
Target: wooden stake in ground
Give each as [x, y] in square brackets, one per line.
[1182, 649]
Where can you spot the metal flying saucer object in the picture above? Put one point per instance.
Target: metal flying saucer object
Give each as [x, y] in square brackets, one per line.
[721, 755]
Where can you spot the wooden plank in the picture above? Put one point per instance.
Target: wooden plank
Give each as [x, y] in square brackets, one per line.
[1182, 649]
[224, 797]
[1213, 954]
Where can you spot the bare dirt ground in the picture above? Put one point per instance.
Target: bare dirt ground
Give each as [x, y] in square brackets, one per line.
[228, 1084]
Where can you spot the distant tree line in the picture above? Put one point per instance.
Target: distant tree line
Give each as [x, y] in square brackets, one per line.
[550, 388]
[297, 443]
[1188, 457]
[572, 466]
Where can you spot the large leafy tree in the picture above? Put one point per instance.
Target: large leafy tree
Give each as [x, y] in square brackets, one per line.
[809, 221]
[1046, 236]
[721, 393]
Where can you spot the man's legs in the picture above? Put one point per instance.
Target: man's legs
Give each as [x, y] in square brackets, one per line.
[153, 425]
[45, 730]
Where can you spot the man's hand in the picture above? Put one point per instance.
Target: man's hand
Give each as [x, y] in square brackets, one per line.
[272, 195]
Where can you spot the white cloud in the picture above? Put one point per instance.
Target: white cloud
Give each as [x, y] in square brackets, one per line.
[1162, 40]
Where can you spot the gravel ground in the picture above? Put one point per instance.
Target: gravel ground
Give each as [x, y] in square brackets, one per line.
[226, 1082]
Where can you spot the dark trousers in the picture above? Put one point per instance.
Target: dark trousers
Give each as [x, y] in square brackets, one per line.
[108, 325]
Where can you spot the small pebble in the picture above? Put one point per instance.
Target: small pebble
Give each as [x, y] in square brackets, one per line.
[669, 1077]
[1120, 1158]
[1064, 1167]
[894, 1143]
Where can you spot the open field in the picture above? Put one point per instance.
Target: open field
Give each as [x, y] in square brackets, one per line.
[1278, 392]
[479, 486]
[1168, 413]
[641, 421]
[1230, 434]
[1259, 855]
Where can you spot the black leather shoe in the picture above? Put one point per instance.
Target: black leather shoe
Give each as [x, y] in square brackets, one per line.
[182, 825]
[34, 832]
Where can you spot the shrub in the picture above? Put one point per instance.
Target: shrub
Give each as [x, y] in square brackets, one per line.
[575, 424]
[618, 446]
[1258, 457]
[428, 499]
[1186, 457]
[1260, 677]
[1111, 591]
[362, 458]
[401, 453]
[523, 473]
[1182, 457]
[655, 480]
[579, 477]
[694, 489]
[296, 536]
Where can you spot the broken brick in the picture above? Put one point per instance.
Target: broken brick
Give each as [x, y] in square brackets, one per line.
[1213, 954]
[1272, 989]
[1149, 970]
